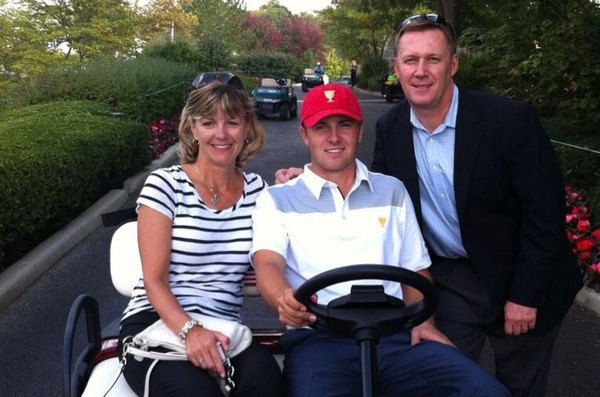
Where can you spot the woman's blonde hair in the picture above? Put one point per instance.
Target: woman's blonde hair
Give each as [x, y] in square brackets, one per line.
[233, 102]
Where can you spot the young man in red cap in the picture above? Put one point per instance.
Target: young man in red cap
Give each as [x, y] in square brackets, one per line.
[335, 214]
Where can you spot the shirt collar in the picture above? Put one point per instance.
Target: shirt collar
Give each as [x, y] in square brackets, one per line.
[449, 120]
[316, 184]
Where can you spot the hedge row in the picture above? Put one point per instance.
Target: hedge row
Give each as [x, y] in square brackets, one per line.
[144, 89]
[53, 157]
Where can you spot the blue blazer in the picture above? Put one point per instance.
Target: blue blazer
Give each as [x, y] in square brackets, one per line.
[510, 199]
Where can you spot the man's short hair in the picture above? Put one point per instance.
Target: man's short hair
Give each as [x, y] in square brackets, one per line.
[425, 22]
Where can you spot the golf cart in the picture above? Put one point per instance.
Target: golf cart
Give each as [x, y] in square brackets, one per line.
[312, 80]
[366, 314]
[275, 96]
[391, 88]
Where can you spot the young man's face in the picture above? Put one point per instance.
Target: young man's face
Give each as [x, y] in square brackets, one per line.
[333, 144]
[425, 68]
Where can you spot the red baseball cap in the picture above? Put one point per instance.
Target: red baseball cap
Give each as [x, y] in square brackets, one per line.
[329, 100]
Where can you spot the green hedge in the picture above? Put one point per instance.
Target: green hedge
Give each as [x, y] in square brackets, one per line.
[57, 159]
[270, 65]
[121, 84]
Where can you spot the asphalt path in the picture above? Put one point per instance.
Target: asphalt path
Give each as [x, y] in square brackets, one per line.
[32, 328]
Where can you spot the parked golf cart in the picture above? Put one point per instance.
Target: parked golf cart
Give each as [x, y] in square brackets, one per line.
[366, 314]
[391, 88]
[275, 96]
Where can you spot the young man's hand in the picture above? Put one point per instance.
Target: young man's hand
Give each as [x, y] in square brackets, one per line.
[292, 312]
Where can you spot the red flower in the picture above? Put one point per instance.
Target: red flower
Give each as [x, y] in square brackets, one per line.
[596, 234]
[583, 226]
[585, 244]
[569, 235]
[584, 256]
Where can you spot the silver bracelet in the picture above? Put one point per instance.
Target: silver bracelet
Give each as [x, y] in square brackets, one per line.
[187, 327]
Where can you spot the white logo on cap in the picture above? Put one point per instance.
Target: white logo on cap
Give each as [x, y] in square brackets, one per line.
[329, 94]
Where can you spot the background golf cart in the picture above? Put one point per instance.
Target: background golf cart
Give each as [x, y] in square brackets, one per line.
[391, 88]
[311, 80]
[275, 96]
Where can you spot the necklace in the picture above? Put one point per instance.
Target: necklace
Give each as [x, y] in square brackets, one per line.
[215, 198]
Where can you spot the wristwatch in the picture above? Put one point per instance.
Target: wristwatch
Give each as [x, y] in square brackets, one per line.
[187, 327]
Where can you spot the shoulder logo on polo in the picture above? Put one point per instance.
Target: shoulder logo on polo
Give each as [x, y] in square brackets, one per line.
[329, 94]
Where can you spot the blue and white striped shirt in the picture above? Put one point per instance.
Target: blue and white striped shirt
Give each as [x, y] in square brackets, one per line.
[209, 254]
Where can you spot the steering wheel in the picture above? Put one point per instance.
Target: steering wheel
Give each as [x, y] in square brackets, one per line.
[281, 81]
[368, 312]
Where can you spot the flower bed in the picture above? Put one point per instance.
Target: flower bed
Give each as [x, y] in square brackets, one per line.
[584, 238]
[164, 135]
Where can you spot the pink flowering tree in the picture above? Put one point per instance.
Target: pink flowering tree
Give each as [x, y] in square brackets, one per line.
[585, 240]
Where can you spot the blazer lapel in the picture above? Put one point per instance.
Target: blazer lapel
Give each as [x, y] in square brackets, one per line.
[465, 149]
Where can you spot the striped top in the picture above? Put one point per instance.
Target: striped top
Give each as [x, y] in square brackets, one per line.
[209, 255]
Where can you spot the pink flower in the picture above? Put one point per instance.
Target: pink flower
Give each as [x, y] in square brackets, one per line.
[595, 267]
[570, 217]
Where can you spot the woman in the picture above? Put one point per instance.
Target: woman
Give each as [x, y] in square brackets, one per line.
[194, 234]
[353, 70]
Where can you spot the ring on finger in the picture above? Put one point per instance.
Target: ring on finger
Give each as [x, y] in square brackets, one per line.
[200, 361]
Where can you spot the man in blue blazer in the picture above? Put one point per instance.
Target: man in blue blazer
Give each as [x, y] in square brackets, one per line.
[489, 196]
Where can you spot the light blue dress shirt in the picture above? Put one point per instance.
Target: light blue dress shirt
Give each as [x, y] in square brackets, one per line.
[435, 165]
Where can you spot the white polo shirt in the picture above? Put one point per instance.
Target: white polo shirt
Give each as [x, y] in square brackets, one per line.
[310, 224]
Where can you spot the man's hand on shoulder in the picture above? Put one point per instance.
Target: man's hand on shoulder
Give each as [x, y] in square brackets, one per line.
[293, 313]
[427, 331]
[518, 319]
[286, 174]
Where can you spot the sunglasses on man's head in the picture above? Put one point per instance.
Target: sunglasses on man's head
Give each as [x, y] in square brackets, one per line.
[425, 17]
[434, 18]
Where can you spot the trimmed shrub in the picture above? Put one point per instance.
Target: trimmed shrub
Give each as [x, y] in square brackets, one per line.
[57, 159]
[142, 89]
[270, 65]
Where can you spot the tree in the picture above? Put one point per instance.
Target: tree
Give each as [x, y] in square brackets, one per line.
[545, 53]
[454, 12]
[87, 28]
[259, 34]
[220, 19]
[275, 12]
[362, 29]
[299, 35]
[164, 17]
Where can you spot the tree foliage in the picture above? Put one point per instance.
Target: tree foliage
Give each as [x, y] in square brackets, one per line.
[86, 28]
[545, 53]
[260, 34]
[166, 19]
[300, 35]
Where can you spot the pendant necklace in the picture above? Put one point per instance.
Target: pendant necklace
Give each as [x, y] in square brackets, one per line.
[215, 198]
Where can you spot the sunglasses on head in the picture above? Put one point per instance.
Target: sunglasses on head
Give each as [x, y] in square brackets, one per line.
[425, 17]
[224, 77]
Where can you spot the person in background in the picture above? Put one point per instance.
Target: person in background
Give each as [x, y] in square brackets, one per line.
[353, 71]
[319, 69]
[489, 197]
[194, 233]
[338, 213]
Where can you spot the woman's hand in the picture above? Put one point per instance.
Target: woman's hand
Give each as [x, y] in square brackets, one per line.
[201, 349]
